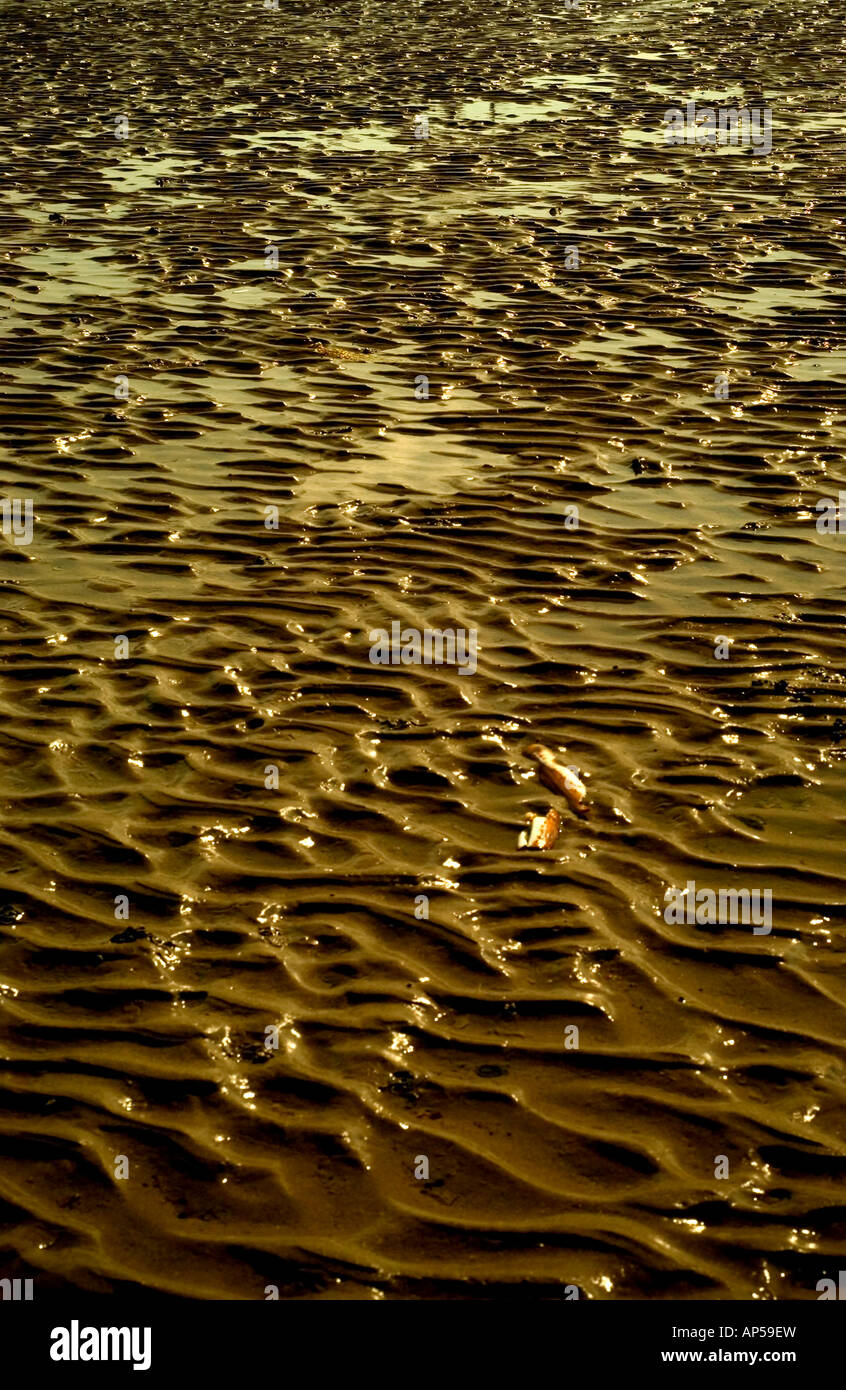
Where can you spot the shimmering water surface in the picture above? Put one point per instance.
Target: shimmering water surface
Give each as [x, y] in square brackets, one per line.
[551, 384]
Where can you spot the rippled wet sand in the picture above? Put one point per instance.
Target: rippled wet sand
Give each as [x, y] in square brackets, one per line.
[550, 386]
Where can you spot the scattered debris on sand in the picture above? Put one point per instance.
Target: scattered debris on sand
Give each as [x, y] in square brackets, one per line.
[560, 777]
[543, 831]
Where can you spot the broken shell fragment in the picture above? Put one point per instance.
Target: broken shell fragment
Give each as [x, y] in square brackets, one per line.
[560, 777]
[542, 833]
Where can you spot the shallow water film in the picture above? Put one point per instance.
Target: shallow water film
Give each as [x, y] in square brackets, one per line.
[390, 388]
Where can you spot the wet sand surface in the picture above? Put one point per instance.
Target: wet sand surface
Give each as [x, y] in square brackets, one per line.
[554, 381]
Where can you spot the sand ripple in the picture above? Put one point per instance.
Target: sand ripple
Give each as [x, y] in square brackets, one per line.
[251, 387]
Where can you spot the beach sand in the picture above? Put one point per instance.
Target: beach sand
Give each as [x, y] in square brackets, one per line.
[235, 466]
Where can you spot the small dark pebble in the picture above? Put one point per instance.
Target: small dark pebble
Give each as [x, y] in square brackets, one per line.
[131, 934]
